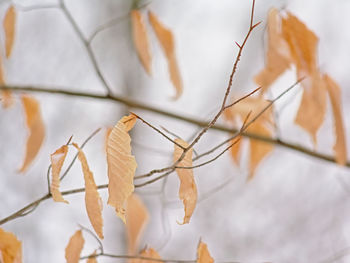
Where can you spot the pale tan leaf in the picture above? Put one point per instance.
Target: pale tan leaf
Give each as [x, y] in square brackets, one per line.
[74, 247]
[141, 42]
[136, 220]
[93, 202]
[92, 259]
[108, 132]
[203, 255]
[334, 93]
[10, 248]
[258, 149]
[57, 160]
[149, 253]
[121, 165]
[166, 39]
[235, 150]
[188, 188]
[9, 25]
[36, 129]
[278, 57]
[7, 99]
[313, 106]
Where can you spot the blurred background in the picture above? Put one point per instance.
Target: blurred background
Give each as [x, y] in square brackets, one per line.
[294, 210]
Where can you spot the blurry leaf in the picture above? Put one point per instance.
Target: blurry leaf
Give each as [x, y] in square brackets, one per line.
[278, 58]
[93, 200]
[313, 106]
[149, 253]
[136, 220]
[36, 129]
[9, 24]
[10, 248]
[57, 160]
[141, 41]
[121, 165]
[92, 259]
[258, 149]
[235, 150]
[188, 189]
[203, 255]
[334, 93]
[74, 247]
[6, 99]
[166, 39]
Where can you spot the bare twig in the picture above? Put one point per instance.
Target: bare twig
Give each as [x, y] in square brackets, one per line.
[94, 236]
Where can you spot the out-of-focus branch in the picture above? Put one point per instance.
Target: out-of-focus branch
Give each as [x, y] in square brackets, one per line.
[195, 121]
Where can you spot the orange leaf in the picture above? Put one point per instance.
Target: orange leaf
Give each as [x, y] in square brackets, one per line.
[136, 221]
[92, 259]
[93, 200]
[188, 188]
[10, 248]
[57, 159]
[149, 253]
[313, 106]
[334, 93]
[203, 255]
[166, 39]
[74, 247]
[141, 41]
[278, 58]
[121, 165]
[9, 24]
[258, 150]
[36, 129]
[235, 150]
[7, 99]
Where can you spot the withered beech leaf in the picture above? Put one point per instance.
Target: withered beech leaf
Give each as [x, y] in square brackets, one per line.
[74, 247]
[203, 255]
[261, 126]
[7, 99]
[136, 221]
[92, 259]
[339, 147]
[166, 39]
[36, 129]
[258, 150]
[141, 42]
[10, 248]
[149, 253]
[57, 160]
[278, 57]
[121, 165]
[93, 202]
[188, 188]
[9, 25]
[313, 105]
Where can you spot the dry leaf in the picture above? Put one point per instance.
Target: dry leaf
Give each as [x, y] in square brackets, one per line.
[6, 99]
[36, 129]
[278, 57]
[10, 248]
[136, 221]
[166, 39]
[238, 113]
[141, 41]
[149, 253]
[188, 188]
[9, 25]
[92, 259]
[74, 247]
[334, 93]
[93, 200]
[57, 159]
[121, 165]
[313, 106]
[258, 150]
[203, 255]
[108, 132]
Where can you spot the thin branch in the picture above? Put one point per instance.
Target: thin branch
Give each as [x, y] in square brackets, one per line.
[94, 236]
[157, 130]
[86, 45]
